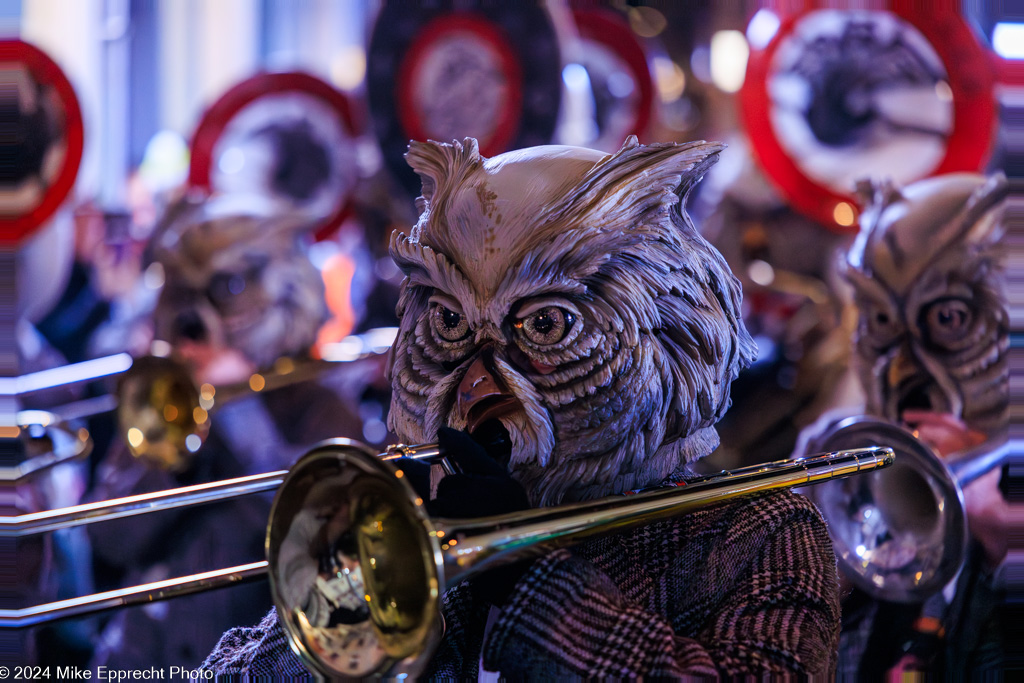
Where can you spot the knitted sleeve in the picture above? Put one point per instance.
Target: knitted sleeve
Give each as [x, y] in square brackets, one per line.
[769, 603]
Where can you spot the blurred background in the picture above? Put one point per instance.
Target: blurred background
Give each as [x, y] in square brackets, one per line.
[201, 193]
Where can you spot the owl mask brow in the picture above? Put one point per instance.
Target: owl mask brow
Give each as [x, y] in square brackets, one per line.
[621, 201]
[425, 267]
[534, 304]
[444, 300]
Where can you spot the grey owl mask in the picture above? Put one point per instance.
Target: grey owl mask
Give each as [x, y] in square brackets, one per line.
[926, 271]
[570, 291]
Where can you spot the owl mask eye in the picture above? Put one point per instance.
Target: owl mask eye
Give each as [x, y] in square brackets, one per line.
[948, 321]
[228, 286]
[883, 326]
[449, 325]
[547, 325]
[225, 286]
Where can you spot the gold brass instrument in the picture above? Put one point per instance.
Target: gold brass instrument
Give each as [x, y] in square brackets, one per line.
[901, 534]
[357, 567]
[164, 416]
[379, 564]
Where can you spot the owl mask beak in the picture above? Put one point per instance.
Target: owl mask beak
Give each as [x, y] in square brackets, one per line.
[901, 369]
[910, 386]
[481, 395]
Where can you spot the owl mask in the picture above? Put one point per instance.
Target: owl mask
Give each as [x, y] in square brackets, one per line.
[933, 330]
[564, 296]
[237, 276]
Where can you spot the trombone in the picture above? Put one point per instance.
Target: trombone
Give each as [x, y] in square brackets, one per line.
[356, 566]
[164, 417]
[901, 534]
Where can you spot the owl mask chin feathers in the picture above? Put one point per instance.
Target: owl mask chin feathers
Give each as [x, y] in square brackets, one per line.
[565, 294]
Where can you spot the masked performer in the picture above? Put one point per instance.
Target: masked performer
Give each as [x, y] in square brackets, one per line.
[239, 294]
[561, 298]
[931, 351]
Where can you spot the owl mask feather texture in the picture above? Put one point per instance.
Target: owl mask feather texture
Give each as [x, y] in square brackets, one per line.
[577, 283]
[926, 270]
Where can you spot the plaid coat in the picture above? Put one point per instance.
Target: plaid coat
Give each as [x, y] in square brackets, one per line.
[744, 587]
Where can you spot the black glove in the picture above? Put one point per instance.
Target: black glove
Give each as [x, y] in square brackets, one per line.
[481, 487]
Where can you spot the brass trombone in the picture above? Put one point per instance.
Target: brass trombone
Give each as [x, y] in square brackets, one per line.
[164, 417]
[389, 562]
[357, 567]
[901, 534]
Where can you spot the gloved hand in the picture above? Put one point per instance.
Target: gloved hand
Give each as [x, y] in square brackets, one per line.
[481, 487]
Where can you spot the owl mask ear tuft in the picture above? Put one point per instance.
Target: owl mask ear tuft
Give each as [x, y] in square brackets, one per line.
[441, 165]
[874, 197]
[878, 193]
[864, 191]
[980, 221]
[626, 187]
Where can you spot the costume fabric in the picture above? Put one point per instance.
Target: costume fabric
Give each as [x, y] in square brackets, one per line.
[743, 587]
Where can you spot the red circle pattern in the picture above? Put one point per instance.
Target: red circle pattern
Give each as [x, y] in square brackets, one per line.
[216, 119]
[971, 79]
[507, 125]
[45, 70]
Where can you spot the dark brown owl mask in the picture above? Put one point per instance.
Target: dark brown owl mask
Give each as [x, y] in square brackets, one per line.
[565, 294]
[926, 271]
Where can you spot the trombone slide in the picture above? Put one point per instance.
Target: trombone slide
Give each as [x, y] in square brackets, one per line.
[480, 543]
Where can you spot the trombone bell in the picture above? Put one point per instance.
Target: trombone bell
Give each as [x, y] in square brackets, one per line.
[899, 534]
[354, 564]
[160, 414]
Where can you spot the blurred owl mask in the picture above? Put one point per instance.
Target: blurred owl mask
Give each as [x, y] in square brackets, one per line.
[237, 277]
[566, 295]
[926, 270]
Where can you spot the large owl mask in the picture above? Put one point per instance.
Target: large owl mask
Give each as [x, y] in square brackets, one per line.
[933, 330]
[564, 295]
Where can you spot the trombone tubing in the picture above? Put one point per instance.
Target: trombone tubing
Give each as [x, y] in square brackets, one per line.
[976, 462]
[89, 513]
[491, 541]
[556, 526]
[135, 595]
[116, 508]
